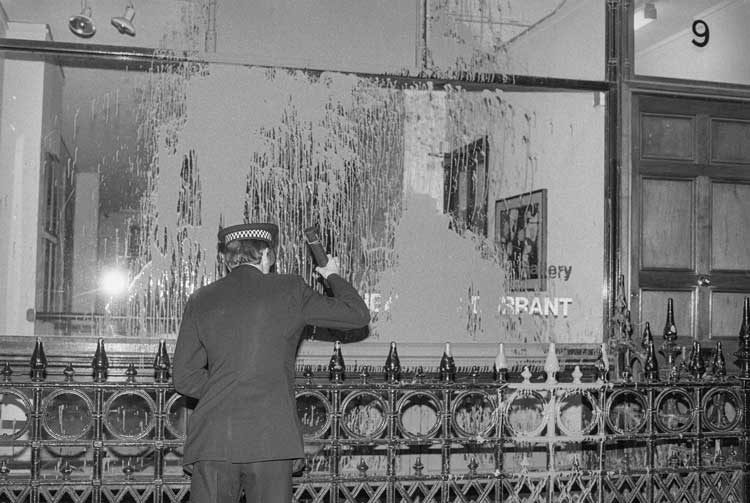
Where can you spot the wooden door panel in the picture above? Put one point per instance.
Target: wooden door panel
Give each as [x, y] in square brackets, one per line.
[667, 137]
[726, 314]
[730, 141]
[730, 226]
[691, 214]
[667, 210]
[653, 308]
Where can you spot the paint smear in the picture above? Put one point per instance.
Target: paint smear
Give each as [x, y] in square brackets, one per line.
[372, 165]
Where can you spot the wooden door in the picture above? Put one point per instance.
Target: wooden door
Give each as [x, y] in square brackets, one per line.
[691, 216]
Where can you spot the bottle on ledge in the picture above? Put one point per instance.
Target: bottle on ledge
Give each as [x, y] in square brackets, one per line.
[719, 369]
[100, 364]
[501, 365]
[670, 329]
[447, 365]
[743, 354]
[161, 363]
[647, 336]
[691, 359]
[651, 366]
[602, 364]
[336, 366]
[669, 349]
[38, 362]
[698, 365]
[392, 365]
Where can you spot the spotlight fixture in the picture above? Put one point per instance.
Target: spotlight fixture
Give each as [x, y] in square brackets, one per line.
[124, 23]
[644, 15]
[649, 10]
[82, 25]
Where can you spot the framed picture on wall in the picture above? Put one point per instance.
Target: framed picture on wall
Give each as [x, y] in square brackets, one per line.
[465, 194]
[521, 239]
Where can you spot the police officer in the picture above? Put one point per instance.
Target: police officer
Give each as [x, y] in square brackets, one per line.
[236, 352]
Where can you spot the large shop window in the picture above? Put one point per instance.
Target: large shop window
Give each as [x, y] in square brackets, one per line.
[472, 215]
[703, 40]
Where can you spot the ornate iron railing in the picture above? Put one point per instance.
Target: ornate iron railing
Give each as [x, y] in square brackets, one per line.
[417, 438]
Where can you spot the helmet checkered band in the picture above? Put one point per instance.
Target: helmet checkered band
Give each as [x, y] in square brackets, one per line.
[249, 234]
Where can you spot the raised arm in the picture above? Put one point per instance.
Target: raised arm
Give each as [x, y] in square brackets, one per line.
[345, 310]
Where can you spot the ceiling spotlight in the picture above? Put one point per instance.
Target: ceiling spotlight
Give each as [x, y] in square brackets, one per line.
[644, 15]
[124, 23]
[82, 25]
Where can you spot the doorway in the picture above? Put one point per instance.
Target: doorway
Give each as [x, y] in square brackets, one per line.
[691, 216]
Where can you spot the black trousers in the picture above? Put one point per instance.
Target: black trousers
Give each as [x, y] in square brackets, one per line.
[222, 482]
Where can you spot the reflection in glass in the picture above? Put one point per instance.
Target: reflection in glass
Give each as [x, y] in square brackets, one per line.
[674, 410]
[178, 413]
[525, 414]
[314, 414]
[363, 415]
[67, 414]
[147, 164]
[129, 415]
[577, 413]
[474, 414]
[627, 412]
[419, 415]
[14, 415]
[721, 409]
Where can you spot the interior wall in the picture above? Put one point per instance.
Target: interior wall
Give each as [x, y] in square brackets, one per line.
[371, 36]
[224, 108]
[569, 44]
[566, 157]
[724, 59]
[27, 128]
[551, 141]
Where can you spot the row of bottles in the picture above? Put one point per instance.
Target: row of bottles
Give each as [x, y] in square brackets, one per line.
[447, 368]
[99, 365]
[693, 365]
[676, 364]
[392, 366]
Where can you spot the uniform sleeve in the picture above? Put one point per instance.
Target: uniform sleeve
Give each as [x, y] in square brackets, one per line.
[189, 371]
[345, 310]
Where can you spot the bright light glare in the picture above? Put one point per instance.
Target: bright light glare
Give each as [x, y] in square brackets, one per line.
[640, 20]
[114, 282]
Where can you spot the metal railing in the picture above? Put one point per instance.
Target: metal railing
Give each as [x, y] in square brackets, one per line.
[414, 437]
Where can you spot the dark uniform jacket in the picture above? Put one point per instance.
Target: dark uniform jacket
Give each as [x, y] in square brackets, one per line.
[236, 353]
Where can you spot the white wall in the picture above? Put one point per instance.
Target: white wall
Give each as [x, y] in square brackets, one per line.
[569, 44]
[564, 39]
[22, 133]
[724, 59]
[539, 140]
[85, 242]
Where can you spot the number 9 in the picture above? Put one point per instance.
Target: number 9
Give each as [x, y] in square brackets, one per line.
[700, 29]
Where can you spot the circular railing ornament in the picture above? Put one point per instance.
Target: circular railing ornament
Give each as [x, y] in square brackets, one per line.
[418, 415]
[363, 415]
[16, 410]
[721, 409]
[129, 415]
[474, 414]
[674, 410]
[314, 412]
[177, 416]
[577, 413]
[67, 414]
[626, 411]
[525, 414]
